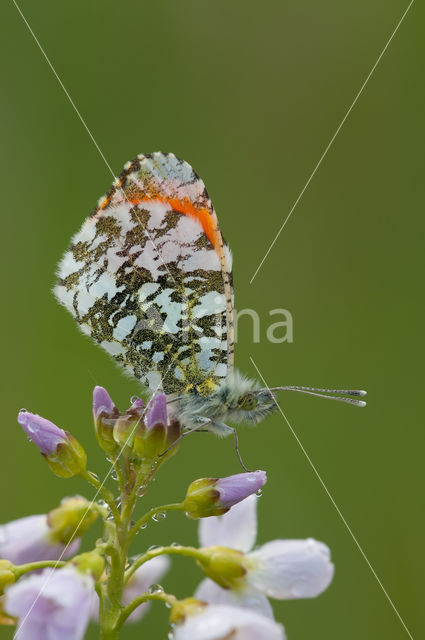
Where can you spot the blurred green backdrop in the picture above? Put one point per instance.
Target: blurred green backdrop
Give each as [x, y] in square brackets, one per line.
[250, 94]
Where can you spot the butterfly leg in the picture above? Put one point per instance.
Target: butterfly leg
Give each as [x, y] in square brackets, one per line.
[223, 430]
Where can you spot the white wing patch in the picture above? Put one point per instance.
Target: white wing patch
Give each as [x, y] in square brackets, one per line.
[144, 277]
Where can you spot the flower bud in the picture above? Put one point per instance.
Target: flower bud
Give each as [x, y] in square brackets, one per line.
[73, 517]
[91, 562]
[223, 565]
[7, 574]
[125, 427]
[105, 414]
[182, 609]
[63, 453]
[214, 496]
[154, 435]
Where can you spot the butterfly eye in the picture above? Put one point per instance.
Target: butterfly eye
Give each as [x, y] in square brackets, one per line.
[248, 402]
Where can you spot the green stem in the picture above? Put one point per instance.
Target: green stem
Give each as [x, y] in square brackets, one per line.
[105, 493]
[144, 597]
[176, 550]
[176, 506]
[21, 569]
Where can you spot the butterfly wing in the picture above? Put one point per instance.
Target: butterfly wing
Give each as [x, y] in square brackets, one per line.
[148, 277]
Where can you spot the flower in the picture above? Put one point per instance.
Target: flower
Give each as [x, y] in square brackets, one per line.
[65, 456]
[146, 575]
[222, 622]
[53, 604]
[215, 496]
[281, 569]
[105, 415]
[102, 401]
[155, 435]
[30, 539]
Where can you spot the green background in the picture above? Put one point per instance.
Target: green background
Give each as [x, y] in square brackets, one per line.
[250, 94]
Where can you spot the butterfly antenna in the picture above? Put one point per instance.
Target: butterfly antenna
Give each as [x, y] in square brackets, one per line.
[328, 393]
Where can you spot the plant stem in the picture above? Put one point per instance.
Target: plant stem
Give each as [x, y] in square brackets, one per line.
[105, 493]
[176, 506]
[33, 566]
[118, 536]
[176, 550]
[144, 597]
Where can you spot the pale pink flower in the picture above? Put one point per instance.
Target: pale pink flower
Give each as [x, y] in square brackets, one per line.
[222, 622]
[30, 540]
[281, 569]
[51, 605]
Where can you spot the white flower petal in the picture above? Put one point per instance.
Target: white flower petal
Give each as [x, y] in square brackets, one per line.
[29, 540]
[221, 622]
[210, 592]
[236, 529]
[51, 605]
[285, 569]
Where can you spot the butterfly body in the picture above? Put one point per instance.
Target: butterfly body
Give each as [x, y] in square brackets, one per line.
[237, 399]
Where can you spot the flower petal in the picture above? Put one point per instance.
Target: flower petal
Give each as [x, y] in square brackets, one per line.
[285, 569]
[102, 401]
[236, 529]
[29, 540]
[53, 604]
[221, 622]
[210, 592]
[236, 488]
[43, 433]
[157, 412]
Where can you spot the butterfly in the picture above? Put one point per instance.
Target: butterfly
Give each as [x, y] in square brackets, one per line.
[149, 278]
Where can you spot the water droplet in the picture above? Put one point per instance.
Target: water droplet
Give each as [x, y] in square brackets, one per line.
[160, 515]
[118, 502]
[144, 525]
[110, 517]
[155, 588]
[101, 503]
[29, 439]
[153, 547]
[141, 492]
[175, 544]
[23, 411]
[259, 493]
[93, 475]
[133, 399]
[114, 475]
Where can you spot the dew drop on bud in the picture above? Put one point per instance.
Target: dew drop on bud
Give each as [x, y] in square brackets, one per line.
[23, 410]
[133, 399]
[155, 588]
[259, 493]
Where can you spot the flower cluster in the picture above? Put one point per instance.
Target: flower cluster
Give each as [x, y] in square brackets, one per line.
[50, 590]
